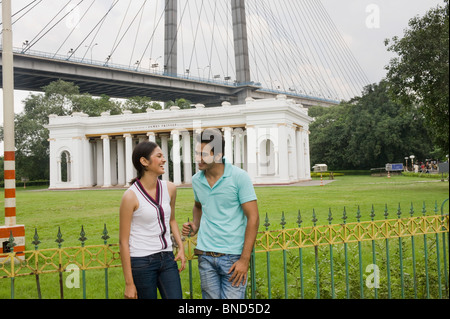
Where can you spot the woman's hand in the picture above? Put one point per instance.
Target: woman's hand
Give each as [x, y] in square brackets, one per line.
[181, 257]
[130, 292]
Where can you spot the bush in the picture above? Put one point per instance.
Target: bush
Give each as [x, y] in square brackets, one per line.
[424, 175]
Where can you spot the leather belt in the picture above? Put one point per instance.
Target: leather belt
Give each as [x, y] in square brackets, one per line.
[208, 253]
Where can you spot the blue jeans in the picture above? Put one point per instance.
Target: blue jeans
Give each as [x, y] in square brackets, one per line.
[156, 271]
[214, 277]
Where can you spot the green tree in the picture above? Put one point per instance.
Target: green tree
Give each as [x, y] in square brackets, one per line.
[140, 104]
[60, 98]
[181, 103]
[367, 132]
[419, 76]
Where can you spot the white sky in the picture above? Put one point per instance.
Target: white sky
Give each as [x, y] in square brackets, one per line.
[364, 24]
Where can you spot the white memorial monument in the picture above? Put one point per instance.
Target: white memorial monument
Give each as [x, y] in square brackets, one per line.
[268, 138]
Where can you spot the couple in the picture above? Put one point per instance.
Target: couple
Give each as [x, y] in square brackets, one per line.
[225, 216]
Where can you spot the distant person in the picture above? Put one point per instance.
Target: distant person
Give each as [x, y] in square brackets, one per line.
[226, 218]
[147, 215]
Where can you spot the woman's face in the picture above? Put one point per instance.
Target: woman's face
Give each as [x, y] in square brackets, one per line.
[157, 161]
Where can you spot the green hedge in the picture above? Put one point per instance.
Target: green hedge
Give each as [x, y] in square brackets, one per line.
[424, 175]
[30, 183]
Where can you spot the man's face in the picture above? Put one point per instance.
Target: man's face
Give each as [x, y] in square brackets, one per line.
[204, 156]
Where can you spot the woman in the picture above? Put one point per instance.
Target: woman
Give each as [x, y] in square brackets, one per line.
[147, 215]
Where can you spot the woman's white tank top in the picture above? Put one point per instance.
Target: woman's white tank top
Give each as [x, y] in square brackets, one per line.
[150, 228]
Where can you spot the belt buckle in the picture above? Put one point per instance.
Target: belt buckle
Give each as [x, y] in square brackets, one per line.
[216, 255]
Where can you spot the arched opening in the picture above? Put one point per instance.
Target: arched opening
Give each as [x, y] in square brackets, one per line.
[65, 168]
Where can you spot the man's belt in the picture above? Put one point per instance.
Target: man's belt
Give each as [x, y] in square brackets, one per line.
[198, 252]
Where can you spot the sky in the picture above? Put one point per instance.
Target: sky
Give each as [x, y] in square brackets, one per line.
[364, 25]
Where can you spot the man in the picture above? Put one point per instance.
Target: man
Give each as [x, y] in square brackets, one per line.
[226, 218]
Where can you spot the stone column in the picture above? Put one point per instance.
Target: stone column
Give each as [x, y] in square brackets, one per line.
[128, 159]
[228, 152]
[106, 161]
[196, 133]
[251, 152]
[151, 137]
[237, 147]
[176, 157]
[99, 157]
[187, 157]
[283, 154]
[300, 154]
[165, 149]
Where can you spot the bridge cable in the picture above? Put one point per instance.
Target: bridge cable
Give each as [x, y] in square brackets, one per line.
[67, 13]
[95, 27]
[73, 29]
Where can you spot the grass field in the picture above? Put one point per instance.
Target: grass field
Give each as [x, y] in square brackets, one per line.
[47, 210]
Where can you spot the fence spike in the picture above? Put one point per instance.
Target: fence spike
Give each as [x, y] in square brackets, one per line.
[59, 239]
[267, 224]
[105, 236]
[330, 218]
[283, 220]
[358, 214]
[372, 213]
[299, 219]
[314, 220]
[424, 209]
[411, 211]
[386, 213]
[399, 211]
[344, 215]
[436, 210]
[36, 240]
[83, 237]
[11, 243]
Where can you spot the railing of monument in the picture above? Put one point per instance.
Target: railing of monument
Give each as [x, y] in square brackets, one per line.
[403, 255]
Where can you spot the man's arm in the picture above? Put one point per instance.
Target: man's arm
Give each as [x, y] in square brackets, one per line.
[240, 268]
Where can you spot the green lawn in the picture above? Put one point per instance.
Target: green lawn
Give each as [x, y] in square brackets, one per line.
[48, 210]
[69, 210]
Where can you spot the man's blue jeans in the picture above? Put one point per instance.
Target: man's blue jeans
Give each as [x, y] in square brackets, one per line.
[214, 277]
[156, 271]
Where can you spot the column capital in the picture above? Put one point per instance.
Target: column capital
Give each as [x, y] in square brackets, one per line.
[127, 135]
[104, 137]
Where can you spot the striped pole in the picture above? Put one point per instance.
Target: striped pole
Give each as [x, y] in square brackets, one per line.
[10, 189]
[8, 116]
[17, 232]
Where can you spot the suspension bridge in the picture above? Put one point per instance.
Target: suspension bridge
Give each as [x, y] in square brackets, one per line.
[203, 51]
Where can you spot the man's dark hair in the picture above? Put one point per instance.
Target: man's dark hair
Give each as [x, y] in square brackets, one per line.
[214, 137]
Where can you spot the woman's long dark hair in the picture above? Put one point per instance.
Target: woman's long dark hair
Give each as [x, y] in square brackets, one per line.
[144, 149]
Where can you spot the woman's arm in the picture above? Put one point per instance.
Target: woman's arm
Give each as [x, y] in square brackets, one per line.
[174, 226]
[127, 207]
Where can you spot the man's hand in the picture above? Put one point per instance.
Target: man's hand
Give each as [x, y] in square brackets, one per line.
[240, 271]
[189, 229]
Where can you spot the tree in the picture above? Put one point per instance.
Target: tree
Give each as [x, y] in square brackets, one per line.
[60, 98]
[140, 104]
[181, 103]
[419, 76]
[367, 132]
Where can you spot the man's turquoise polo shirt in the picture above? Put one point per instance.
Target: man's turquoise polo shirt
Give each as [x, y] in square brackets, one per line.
[223, 223]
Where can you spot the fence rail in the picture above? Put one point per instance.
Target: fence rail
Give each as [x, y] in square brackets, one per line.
[403, 257]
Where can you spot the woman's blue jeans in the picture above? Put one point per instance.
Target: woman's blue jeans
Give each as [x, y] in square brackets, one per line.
[158, 271]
